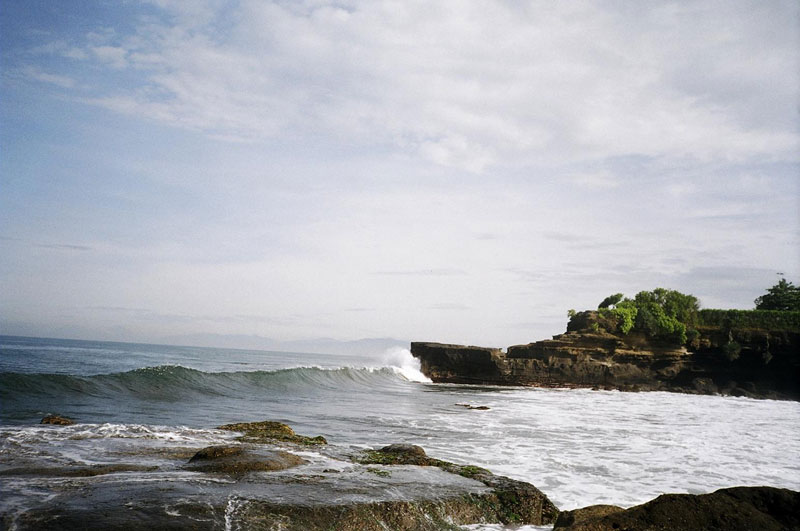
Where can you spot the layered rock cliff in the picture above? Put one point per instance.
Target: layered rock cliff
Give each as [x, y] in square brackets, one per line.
[744, 362]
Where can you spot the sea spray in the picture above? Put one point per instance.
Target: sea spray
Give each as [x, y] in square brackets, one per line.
[401, 360]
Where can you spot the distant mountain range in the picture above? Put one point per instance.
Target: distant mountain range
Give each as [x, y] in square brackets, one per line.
[315, 346]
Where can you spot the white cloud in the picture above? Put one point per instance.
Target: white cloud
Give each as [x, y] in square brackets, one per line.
[601, 180]
[33, 72]
[113, 56]
[474, 85]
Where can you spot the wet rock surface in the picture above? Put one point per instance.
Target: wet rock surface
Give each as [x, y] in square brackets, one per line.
[270, 431]
[238, 460]
[509, 501]
[733, 509]
[285, 483]
[279, 483]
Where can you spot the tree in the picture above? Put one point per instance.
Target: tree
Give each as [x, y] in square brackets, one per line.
[782, 296]
[611, 300]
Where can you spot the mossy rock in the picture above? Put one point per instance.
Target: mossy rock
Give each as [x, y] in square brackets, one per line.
[509, 502]
[271, 431]
[238, 461]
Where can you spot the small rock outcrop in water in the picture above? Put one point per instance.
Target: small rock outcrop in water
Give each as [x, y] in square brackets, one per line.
[733, 509]
[479, 408]
[271, 431]
[57, 420]
[766, 364]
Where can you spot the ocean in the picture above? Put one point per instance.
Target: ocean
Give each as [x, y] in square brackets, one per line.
[580, 447]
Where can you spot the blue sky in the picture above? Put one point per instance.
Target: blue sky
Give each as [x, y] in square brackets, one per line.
[457, 171]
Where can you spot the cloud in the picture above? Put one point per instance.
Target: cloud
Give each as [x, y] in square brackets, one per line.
[595, 180]
[448, 306]
[434, 272]
[66, 246]
[61, 81]
[114, 56]
[472, 86]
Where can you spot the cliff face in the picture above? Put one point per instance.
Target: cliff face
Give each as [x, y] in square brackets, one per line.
[461, 364]
[756, 363]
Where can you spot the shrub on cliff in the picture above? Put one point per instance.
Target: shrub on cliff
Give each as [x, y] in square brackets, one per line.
[758, 319]
[661, 313]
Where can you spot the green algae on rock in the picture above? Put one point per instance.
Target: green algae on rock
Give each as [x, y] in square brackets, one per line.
[509, 501]
[271, 431]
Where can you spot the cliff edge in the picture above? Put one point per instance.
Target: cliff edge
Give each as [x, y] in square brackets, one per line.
[757, 363]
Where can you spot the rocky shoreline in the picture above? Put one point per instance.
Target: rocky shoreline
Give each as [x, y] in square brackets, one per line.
[764, 363]
[269, 477]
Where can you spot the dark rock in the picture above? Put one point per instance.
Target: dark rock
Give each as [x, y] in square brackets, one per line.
[510, 501]
[733, 509]
[214, 452]
[57, 420]
[459, 364]
[590, 356]
[576, 516]
[237, 461]
[479, 408]
[407, 450]
[271, 431]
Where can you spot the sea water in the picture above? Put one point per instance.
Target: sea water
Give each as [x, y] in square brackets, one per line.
[580, 447]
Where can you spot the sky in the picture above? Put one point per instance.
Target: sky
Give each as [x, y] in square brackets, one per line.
[454, 171]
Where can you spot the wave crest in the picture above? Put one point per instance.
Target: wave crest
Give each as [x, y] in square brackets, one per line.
[174, 382]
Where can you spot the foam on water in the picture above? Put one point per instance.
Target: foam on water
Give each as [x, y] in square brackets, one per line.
[587, 447]
[401, 360]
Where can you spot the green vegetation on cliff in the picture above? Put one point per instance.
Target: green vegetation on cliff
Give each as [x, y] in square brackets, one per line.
[750, 319]
[673, 316]
[661, 313]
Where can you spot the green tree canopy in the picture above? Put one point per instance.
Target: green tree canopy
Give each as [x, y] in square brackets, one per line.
[661, 313]
[782, 296]
[611, 300]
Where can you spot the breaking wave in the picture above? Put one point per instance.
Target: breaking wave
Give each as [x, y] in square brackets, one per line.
[165, 382]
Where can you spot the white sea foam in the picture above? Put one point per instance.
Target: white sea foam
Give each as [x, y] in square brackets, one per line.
[406, 365]
[587, 447]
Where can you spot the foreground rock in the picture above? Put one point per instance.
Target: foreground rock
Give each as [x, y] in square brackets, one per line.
[237, 461]
[733, 509]
[764, 365]
[272, 478]
[509, 501]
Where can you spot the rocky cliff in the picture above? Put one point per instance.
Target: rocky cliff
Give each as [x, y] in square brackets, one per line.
[742, 362]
